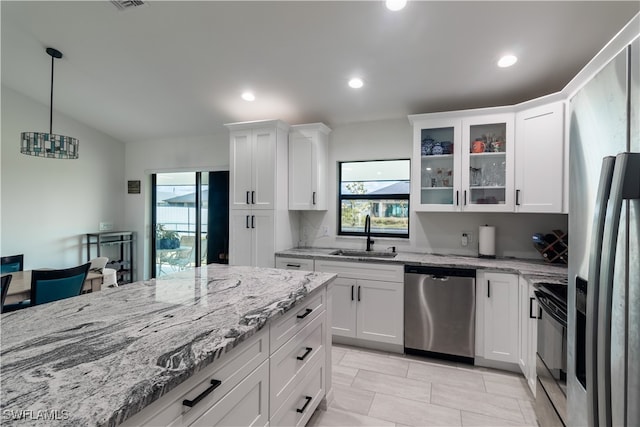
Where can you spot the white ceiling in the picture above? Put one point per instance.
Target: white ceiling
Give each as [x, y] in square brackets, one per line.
[177, 68]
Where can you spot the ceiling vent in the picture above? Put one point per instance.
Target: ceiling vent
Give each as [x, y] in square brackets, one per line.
[126, 4]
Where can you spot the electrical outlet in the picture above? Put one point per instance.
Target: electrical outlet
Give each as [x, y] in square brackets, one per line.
[325, 231]
[469, 236]
[465, 239]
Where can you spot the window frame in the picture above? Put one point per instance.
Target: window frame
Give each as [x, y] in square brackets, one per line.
[397, 196]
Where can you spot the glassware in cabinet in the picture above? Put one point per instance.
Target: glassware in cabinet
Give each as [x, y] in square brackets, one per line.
[437, 166]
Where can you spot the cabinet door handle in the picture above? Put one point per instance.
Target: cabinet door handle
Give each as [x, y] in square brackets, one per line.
[253, 197]
[309, 399]
[488, 289]
[532, 316]
[358, 293]
[465, 197]
[457, 198]
[517, 197]
[306, 313]
[352, 292]
[191, 403]
[248, 198]
[293, 265]
[253, 221]
[247, 222]
[313, 198]
[308, 351]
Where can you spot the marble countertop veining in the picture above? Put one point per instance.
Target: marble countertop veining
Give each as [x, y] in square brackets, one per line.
[99, 358]
[532, 270]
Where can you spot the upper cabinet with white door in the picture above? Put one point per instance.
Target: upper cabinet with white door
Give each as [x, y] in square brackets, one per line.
[540, 158]
[308, 157]
[463, 161]
[258, 164]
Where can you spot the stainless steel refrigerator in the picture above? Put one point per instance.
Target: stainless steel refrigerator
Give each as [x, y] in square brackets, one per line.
[603, 367]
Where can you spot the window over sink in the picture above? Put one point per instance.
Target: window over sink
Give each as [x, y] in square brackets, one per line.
[379, 188]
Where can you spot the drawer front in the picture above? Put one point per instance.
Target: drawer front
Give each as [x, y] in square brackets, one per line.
[293, 322]
[363, 270]
[245, 405]
[230, 370]
[290, 364]
[295, 263]
[300, 405]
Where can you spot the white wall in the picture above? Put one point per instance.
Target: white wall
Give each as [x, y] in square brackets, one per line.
[48, 205]
[206, 153]
[429, 232]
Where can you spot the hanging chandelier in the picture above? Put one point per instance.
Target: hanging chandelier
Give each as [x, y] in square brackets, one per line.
[49, 145]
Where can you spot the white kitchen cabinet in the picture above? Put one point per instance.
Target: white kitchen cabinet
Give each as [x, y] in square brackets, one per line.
[364, 308]
[260, 223]
[528, 333]
[463, 161]
[251, 237]
[497, 311]
[286, 263]
[308, 157]
[540, 159]
[257, 151]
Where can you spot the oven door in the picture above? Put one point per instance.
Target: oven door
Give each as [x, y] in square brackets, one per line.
[551, 363]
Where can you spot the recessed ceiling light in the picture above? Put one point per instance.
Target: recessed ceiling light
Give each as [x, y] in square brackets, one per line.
[396, 4]
[356, 83]
[248, 96]
[507, 61]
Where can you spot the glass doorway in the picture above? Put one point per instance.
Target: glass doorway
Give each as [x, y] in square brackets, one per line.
[189, 210]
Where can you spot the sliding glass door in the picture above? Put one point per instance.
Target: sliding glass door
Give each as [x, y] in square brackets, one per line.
[181, 220]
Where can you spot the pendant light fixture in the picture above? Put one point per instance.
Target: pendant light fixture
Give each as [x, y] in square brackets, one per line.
[49, 145]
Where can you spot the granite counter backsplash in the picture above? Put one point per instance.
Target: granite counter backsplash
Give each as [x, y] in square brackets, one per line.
[99, 358]
[533, 271]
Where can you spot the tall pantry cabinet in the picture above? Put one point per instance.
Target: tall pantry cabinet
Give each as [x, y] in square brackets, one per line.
[259, 219]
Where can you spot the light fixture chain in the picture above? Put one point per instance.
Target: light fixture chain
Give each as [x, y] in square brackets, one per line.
[51, 100]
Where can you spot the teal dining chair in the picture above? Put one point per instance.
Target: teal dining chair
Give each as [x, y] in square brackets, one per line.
[12, 263]
[5, 281]
[53, 285]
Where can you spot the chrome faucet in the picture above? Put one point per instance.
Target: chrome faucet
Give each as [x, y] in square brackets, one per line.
[367, 230]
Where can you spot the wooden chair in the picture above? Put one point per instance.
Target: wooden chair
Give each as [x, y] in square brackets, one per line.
[12, 263]
[6, 280]
[54, 285]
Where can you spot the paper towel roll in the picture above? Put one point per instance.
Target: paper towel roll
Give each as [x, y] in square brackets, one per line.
[487, 241]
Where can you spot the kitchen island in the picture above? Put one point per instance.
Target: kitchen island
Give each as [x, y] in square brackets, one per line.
[100, 358]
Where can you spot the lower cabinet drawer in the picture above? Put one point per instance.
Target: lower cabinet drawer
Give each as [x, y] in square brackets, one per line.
[300, 405]
[230, 370]
[293, 322]
[295, 263]
[245, 405]
[293, 360]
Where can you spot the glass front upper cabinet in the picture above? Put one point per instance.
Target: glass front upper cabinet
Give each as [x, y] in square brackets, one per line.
[488, 163]
[435, 179]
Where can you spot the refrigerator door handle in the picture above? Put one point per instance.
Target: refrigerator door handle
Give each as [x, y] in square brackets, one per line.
[625, 185]
[595, 257]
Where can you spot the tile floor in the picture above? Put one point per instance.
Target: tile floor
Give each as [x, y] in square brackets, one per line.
[373, 388]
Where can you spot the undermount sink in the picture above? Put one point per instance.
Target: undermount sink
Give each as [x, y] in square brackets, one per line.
[367, 254]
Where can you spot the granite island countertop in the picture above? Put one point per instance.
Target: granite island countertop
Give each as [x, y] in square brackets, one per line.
[99, 358]
[532, 270]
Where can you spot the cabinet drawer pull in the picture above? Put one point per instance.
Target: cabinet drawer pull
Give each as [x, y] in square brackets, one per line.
[293, 265]
[308, 400]
[488, 289]
[248, 198]
[253, 197]
[191, 403]
[306, 353]
[247, 225]
[306, 313]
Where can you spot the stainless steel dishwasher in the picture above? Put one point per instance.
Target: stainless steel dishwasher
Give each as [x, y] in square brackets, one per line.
[440, 312]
